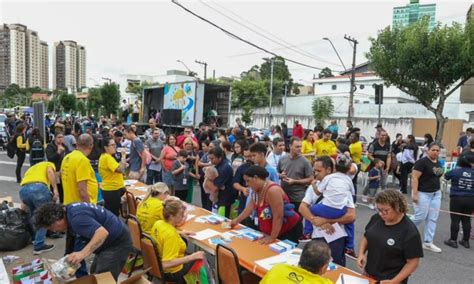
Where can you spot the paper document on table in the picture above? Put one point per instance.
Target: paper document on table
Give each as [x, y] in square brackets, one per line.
[205, 234]
[349, 279]
[190, 216]
[290, 257]
[189, 207]
[339, 232]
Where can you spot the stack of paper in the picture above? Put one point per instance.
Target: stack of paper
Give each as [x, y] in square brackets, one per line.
[290, 257]
[205, 234]
[349, 279]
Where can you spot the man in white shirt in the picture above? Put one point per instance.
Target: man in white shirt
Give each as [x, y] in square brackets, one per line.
[278, 152]
[124, 108]
[323, 167]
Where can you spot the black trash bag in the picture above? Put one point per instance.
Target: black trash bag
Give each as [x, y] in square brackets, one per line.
[15, 232]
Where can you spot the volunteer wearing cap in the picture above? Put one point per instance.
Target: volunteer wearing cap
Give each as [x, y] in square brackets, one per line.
[150, 209]
[105, 234]
[35, 192]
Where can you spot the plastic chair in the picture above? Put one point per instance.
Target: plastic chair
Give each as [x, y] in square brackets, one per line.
[131, 204]
[151, 258]
[228, 268]
[136, 235]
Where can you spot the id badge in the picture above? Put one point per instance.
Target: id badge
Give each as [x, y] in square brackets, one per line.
[255, 220]
[185, 181]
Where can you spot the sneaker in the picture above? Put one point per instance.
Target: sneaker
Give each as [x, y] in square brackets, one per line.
[451, 243]
[350, 253]
[43, 248]
[371, 206]
[364, 199]
[465, 244]
[304, 239]
[432, 247]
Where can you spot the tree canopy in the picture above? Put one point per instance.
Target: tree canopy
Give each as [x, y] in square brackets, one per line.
[325, 73]
[428, 65]
[322, 108]
[110, 94]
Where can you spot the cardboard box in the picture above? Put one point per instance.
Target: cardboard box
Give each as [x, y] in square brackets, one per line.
[107, 278]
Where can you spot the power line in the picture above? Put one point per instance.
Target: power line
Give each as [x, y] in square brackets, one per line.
[243, 40]
[279, 40]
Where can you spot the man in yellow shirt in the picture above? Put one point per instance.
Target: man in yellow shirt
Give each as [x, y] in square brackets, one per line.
[35, 192]
[355, 148]
[325, 146]
[313, 263]
[77, 175]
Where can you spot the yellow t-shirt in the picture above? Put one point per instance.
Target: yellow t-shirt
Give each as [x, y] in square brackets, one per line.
[308, 148]
[111, 180]
[148, 212]
[285, 273]
[76, 167]
[356, 152]
[325, 148]
[38, 173]
[169, 242]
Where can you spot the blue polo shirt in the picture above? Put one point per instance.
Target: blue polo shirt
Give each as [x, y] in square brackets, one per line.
[462, 182]
[239, 178]
[84, 219]
[227, 195]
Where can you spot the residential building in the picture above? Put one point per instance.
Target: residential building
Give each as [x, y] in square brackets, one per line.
[412, 12]
[81, 67]
[13, 55]
[44, 65]
[33, 53]
[23, 57]
[69, 66]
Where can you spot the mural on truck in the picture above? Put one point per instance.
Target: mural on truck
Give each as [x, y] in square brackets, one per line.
[181, 96]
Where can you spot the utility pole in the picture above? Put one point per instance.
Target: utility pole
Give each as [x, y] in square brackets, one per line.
[271, 95]
[284, 107]
[350, 113]
[205, 67]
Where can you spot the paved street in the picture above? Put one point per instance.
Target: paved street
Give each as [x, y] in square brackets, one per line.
[451, 266]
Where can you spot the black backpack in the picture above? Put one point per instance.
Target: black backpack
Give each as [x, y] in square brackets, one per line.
[11, 147]
[37, 151]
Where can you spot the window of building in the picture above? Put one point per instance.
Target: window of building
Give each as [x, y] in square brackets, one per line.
[471, 117]
[362, 86]
[334, 87]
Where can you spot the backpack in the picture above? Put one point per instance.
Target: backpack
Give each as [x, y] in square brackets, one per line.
[11, 147]
[37, 151]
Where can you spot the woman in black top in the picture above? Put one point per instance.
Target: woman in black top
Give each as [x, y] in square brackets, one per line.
[55, 152]
[391, 240]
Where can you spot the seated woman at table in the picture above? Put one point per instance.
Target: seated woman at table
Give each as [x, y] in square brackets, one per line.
[150, 209]
[391, 240]
[313, 263]
[171, 246]
[112, 176]
[276, 215]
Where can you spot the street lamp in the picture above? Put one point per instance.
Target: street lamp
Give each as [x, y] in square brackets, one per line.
[205, 67]
[350, 112]
[185, 66]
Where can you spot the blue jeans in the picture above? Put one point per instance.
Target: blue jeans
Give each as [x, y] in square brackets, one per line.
[34, 195]
[427, 210]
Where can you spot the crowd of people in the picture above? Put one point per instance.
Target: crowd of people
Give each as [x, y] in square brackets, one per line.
[294, 188]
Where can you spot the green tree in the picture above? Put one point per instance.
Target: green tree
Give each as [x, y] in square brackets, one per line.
[50, 106]
[325, 73]
[249, 92]
[68, 102]
[110, 94]
[247, 114]
[94, 101]
[12, 90]
[322, 108]
[428, 65]
[81, 107]
[137, 89]
[280, 69]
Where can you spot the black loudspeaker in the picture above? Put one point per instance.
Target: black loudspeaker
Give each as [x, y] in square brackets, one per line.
[171, 116]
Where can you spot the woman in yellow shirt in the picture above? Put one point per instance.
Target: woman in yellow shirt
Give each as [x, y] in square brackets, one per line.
[171, 246]
[21, 145]
[112, 176]
[150, 209]
[308, 147]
